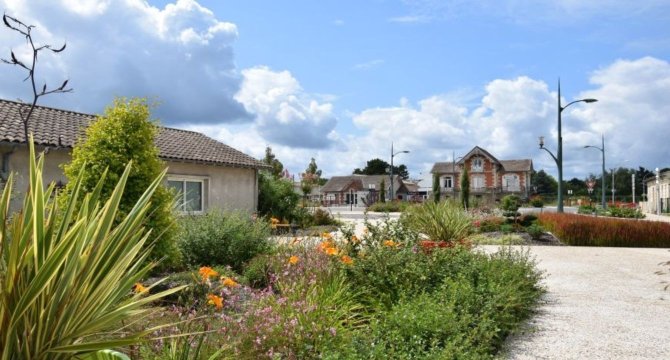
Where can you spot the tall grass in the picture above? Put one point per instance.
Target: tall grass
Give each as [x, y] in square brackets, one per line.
[443, 221]
[66, 275]
[583, 230]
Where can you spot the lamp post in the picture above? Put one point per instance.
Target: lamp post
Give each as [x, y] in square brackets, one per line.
[658, 191]
[392, 156]
[632, 184]
[559, 155]
[602, 149]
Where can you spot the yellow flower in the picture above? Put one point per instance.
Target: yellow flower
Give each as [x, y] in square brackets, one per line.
[327, 236]
[139, 288]
[347, 259]
[390, 243]
[206, 272]
[215, 300]
[293, 260]
[228, 282]
[273, 222]
[331, 251]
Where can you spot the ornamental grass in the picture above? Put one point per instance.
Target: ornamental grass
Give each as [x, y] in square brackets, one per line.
[67, 275]
[581, 230]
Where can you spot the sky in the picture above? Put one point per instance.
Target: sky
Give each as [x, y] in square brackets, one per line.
[340, 81]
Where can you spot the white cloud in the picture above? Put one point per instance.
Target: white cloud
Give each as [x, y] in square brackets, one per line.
[369, 64]
[506, 119]
[286, 114]
[180, 55]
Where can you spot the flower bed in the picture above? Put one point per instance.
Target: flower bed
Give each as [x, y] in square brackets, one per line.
[583, 230]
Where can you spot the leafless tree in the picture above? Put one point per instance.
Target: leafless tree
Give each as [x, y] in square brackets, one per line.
[25, 30]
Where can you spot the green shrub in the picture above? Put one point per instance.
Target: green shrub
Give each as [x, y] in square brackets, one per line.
[259, 271]
[466, 309]
[490, 224]
[444, 221]
[510, 239]
[390, 206]
[226, 239]
[510, 205]
[507, 228]
[276, 197]
[535, 231]
[583, 230]
[126, 133]
[67, 284]
[527, 220]
[323, 217]
[625, 212]
[537, 201]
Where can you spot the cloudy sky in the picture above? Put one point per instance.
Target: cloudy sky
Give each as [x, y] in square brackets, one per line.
[340, 80]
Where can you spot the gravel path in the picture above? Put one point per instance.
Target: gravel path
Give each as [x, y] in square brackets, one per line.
[602, 303]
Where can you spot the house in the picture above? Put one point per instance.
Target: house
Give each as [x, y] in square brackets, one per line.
[361, 190]
[490, 178]
[207, 173]
[658, 195]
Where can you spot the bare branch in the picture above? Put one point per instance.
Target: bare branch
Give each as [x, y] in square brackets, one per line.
[59, 50]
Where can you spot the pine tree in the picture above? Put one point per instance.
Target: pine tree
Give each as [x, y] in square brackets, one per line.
[465, 189]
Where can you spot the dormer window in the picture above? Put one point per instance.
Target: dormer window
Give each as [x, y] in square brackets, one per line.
[477, 164]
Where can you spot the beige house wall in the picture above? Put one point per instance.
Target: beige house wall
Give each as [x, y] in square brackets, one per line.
[227, 188]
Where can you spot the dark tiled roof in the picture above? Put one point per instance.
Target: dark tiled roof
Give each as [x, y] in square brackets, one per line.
[517, 165]
[443, 168]
[340, 183]
[55, 127]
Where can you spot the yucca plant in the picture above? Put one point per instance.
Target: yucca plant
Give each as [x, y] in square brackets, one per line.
[66, 275]
[443, 221]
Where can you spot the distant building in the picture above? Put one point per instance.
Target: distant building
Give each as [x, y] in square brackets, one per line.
[362, 190]
[490, 178]
[656, 192]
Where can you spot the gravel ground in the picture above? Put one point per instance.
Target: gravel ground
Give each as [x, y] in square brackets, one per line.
[601, 303]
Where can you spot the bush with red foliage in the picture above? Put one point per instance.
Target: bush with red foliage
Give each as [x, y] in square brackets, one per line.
[581, 230]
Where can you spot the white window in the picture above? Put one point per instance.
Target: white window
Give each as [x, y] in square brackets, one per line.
[477, 182]
[477, 164]
[448, 182]
[371, 186]
[511, 182]
[190, 193]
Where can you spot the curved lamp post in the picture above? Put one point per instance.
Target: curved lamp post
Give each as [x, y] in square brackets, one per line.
[602, 149]
[392, 156]
[559, 156]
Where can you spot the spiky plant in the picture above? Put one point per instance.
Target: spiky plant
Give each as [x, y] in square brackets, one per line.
[66, 275]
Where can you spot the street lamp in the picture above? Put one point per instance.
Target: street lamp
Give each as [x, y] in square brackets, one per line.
[602, 149]
[559, 157]
[658, 191]
[392, 156]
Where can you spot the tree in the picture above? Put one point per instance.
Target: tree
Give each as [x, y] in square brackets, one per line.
[436, 188]
[379, 167]
[310, 178]
[123, 134]
[543, 183]
[270, 159]
[465, 189]
[276, 197]
[25, 30]
[382, 191]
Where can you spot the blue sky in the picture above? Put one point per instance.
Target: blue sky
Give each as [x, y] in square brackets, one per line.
[340, 80]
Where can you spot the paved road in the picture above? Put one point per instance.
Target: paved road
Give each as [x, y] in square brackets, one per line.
[602, 303]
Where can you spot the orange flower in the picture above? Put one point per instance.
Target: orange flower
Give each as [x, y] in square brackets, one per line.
[139, 288]
[347, 259]
[206, 272]
[293, 260]
[215, 300]
[331, 251]
[228, 282]
[355, 239]
[390, 243]
[325, 245]
[327, 236]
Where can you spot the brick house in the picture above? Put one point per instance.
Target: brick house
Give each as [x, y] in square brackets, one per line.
[490, 178]
[361, 190]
